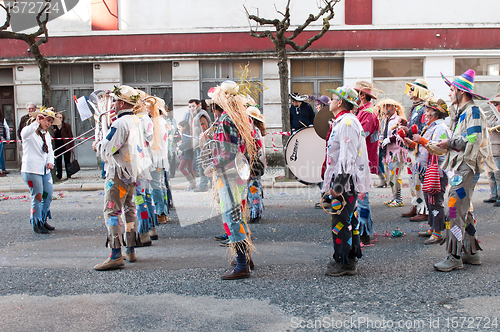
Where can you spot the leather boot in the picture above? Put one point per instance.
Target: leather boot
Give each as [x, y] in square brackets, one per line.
[420, 217]
[411, 213]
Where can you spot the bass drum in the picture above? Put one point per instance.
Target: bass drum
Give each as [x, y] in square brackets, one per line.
[305, 153]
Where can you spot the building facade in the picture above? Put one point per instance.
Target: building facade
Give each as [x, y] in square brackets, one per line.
[178, 50]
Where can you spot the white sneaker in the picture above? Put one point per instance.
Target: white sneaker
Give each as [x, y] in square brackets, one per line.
[449, 263]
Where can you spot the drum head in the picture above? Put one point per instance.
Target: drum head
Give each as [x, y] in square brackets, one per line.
[304, 155]
[321, 122]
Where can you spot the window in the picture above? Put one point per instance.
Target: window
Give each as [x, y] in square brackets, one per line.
[316, 76]
[214, 73]
[487, 76]
[390, 76]
[6, 77]
[68, 81]
[154, 78]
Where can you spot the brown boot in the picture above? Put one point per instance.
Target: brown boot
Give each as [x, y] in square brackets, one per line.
[420, 217]
[411, 213]
[162, 218]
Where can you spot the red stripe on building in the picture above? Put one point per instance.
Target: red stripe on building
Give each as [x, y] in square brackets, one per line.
[358, 12]
[216, 43]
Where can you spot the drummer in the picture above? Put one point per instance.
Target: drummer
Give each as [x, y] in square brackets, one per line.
[435, 129]
[301, 112]
[371, 125]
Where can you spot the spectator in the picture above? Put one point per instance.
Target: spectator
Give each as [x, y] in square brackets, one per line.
[301, 113]
[30, 107]
[62, 131]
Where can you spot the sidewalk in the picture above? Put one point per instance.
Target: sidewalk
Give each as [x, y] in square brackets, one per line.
[89, 179]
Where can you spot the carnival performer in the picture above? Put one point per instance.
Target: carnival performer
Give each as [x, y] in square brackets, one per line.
[234, 132]
[321, 101]
[493, 122]
[435, 129]
[301, 112]
[63, 144]
[200, 121]
[38, 160]
[255, 192]
[146, 212]
[347, 174]
[368, 118]
[123, 152]
[465, 157]
[417, 91]
[394, 152]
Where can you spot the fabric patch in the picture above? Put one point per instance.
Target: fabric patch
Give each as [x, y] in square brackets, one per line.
[397, 171]
[109, 185]
[221, 184]
[30, 184]
[470, 229]
[348, 122]
[113, 149]
[392, 172]
[255, 201]
[461, 193]
[141, 152]
[137, 183]
[444, 136]
[111, 133]
[351, 199]
[400, 181]
[150, 126]
[138, 200]
[431, 200]
[409, 171]
[435, 213]
[45, 195]
[165, 137]
[253, 189]
[356, 214]
[228, 232]
[242, 229]
[38, 197]
[144, 215]
[417, 187]
[364, 213]
[456, 180]
[112, 221]
[349, 228]
[338, 241]
[391, 166]
[471, 138]
[32, 211]
[452, 201]
[419, 200]
[447, 225]
[457, 232]
[349, 242]
[336, 205]
[476, 113]
[337, 228]
[453, 212]
[111, 205]
[165, 197]
[355, 232]
[122, 190]
[474, 130]
[391, 183]
[360, 152]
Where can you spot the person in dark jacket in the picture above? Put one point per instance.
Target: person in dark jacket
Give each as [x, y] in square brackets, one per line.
[61, 131]
[301, 113]
[186, 146]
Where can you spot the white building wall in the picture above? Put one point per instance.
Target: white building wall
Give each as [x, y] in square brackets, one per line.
[28, 88]
[107, 76]
[185, 86]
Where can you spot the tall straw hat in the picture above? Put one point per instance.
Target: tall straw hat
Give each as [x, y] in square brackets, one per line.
[346, 93]
[495, 101]
[254, 112]
[437, 104]
[365, 87]
[127, 94]
[465, 82]
[420, 88]
[397, 105]
[47, 112]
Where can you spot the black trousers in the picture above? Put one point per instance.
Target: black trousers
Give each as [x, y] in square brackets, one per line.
[67, 157]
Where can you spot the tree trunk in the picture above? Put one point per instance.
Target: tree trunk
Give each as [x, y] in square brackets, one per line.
[285, 110]
[43, 66]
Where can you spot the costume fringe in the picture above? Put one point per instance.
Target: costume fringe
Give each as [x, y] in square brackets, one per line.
[471, 244]
[453, 246]
[246, 246]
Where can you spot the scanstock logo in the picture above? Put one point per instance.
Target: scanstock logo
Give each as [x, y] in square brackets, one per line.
[23, 14]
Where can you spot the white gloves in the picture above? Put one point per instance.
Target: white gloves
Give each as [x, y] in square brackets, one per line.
[385, 142]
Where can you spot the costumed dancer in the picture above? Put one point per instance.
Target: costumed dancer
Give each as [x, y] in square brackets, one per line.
[465, 156]
[435, 129]
[368, 118]
[38, 160]
[394, 152]
[417, 91]
[234, 130]
[123, 152]
[255, 191]
[187, 154]
[347, 174]
[146, 212]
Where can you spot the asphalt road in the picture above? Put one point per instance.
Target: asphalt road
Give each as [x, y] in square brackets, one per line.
[48, 282]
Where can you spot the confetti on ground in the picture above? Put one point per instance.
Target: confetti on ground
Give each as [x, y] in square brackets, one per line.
[4, 197]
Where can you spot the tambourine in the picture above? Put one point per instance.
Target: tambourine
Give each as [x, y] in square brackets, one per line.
[337, 207]
[435, 150]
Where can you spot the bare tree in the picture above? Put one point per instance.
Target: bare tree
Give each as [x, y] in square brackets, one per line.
[34, 40]
[280, 41]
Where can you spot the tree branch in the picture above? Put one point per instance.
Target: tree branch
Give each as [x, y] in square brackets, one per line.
[8, 16]
[42, 30]
[329, 4]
